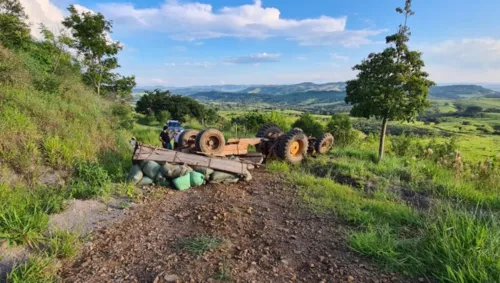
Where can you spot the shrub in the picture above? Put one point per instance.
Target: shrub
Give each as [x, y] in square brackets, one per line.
[309, 125]
[406, 145]
[340, 127]
[279, 119]
[90, 180]
[163, 116]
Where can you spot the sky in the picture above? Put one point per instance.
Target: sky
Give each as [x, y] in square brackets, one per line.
[213, 42]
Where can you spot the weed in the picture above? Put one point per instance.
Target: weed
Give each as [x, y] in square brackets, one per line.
[200, 245]
[223, 273]
[23, 225]
[91, 180]
[36, 270]
[62, 244]
[124, 204]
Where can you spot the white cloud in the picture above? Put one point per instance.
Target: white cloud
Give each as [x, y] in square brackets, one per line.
[204, 64]
[338, 57]
[196, 21]
[465, 60]
[253, 59]
[43, 12]
[301, 58]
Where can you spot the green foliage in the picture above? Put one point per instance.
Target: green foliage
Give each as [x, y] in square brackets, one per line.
[309, 125]
[14, 32]
[390, 85]
[279, 119]
[252, 121]
[37, 269]
[90, 180]
[90, 32]
[154, 102]
[200, 245]
[124, 114]
[340, 127]
[163, 116]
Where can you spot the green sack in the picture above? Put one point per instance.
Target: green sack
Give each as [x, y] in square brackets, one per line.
[173, 171]
[224, 177]
[204, 170]
[135, 174]
[182, 183]
[145, 181]
[150, 169]
[161, 180]
[197, 179]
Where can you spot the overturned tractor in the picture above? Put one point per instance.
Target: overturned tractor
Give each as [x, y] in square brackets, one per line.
[270, 140]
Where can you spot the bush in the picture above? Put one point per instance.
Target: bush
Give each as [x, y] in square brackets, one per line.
[163, 116]
[309, 125]
[279, 119]
[90, 180]
[340, 127]
[406, 145]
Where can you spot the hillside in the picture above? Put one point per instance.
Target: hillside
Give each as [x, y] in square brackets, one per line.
[283, 95]
[299, 98]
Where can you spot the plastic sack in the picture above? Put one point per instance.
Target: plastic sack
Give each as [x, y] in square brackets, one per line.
[204, 170]
[173, 171]
[224, 177]
[182, 183]
[150, 169]
[145, 181]
[196, 179]
[135, 174]
[161, 180]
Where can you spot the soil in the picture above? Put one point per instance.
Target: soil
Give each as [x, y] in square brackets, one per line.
[268, 236]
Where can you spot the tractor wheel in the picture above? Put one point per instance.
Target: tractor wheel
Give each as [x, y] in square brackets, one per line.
[269, 131]
[188, 138]
[295, 131]
[293, 147]
[272, 132]
[324, 144]
[210, 141]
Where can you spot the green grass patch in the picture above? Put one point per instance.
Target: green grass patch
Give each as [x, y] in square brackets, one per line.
[278, 167]
[37, 269]
[62, 244]
[199, 245]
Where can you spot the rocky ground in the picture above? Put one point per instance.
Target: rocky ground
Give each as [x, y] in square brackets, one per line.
[267, 234]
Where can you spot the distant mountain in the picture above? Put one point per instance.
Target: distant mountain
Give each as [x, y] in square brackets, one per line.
[262, 89]
[298, 98]
[296, 88]
[460, 91]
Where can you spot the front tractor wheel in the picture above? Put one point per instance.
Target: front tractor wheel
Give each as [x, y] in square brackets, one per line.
[324, 144]
[210, 141]
[293, 147]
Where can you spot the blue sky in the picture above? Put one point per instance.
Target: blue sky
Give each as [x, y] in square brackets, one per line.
[188, 42]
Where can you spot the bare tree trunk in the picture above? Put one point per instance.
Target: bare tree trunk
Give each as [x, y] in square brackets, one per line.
[382, 139]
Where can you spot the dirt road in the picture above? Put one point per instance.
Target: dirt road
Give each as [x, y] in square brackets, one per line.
[268, 236]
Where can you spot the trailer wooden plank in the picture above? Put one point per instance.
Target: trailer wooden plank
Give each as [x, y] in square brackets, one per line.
[160, 155]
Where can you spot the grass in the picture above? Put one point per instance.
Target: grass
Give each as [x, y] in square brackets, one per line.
[38, 269]
[62, 244]
[454, 238]
[199, 245]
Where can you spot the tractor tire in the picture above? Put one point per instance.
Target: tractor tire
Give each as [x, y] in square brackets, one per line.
[210, 141]
[324, 144]
[295, 131]
[293, 147]
[269, 131]
[187, 138]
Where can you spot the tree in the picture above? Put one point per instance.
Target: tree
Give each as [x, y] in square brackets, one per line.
[14, 31]
[180, 107]
[98, 52]
[309, 125]
[390, 85]
[340, 127]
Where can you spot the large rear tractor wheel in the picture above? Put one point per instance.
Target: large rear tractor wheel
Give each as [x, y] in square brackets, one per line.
[187, 138]
[210, 141]
[293, 147]
[324, 144]
[271, 132]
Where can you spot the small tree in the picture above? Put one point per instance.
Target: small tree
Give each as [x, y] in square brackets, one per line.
[14, 32]
[340, 127]
[390, 85]
[309, 125]
[91, 39]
